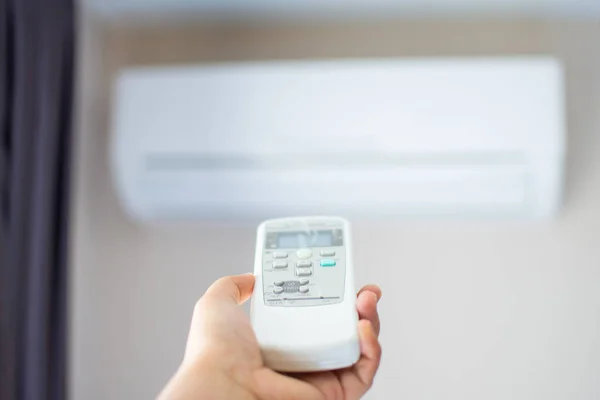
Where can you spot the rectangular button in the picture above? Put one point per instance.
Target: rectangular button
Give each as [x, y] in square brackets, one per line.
[303, 271]
[279, 264]
[327, 253]
[304, 263]
[327, 263]
[280, 254]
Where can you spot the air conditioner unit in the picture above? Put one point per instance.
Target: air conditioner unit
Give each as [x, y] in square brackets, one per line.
[377, 138]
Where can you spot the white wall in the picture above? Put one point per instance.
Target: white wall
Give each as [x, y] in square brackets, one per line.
[471, 310]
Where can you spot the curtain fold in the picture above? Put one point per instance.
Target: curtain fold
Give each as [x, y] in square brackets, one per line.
[36, 83]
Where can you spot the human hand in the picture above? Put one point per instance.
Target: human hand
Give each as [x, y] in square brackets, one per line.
[223, 360]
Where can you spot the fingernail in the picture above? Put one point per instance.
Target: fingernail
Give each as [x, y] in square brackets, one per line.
[374, 296]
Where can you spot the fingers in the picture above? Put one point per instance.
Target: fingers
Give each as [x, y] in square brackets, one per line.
[235, 289]
[270, 385]
[366, 305]
[222, 297]
[371, 288]
[359, 378]
[370, 350]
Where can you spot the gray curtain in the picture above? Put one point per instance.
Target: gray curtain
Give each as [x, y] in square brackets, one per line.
[36, 88]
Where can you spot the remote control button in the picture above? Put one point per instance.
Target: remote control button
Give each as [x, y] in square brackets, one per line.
[303, 271]
[304, 281]
[304, 264]
[280, 254]
[327, 263]
[303, 254]
[291, 286]
[327, 253]
[278, 290]
[278, 283]
[279, 264]
[303, 289]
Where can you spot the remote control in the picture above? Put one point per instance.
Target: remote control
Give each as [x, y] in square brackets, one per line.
[303, 307]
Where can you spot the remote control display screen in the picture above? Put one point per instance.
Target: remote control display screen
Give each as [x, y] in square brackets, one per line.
[303, 239]
[300, 239]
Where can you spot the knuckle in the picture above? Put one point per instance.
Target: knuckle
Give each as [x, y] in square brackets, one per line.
[367, 382]
[378, 352]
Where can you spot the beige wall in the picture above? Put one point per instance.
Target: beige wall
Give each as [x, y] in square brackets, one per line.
[471, 310]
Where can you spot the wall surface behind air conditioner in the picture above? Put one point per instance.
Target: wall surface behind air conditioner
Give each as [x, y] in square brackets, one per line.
[471, 310]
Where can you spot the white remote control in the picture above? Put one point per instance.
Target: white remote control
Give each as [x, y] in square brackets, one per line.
[304, 302]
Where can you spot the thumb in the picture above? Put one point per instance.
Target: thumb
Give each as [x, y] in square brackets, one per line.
[234, 289]
[226, 293]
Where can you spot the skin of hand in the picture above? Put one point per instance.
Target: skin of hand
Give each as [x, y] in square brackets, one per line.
[223, 361]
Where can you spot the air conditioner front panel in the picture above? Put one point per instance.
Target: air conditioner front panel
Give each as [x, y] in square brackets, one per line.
[456, 137]
[381, 190]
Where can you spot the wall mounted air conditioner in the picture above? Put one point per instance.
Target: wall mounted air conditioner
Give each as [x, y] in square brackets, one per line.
[379, 138]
